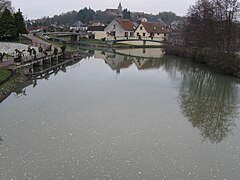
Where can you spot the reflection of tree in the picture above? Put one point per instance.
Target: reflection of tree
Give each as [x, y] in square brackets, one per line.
[210, 101]
[1, 140]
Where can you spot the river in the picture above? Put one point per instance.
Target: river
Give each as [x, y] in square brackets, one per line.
[129, 114]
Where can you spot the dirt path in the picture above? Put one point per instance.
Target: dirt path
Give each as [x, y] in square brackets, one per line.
[6, 64]
[36, 41]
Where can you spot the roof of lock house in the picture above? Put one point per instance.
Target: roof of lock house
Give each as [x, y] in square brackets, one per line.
[96, 28]
[154, 27]
[126, 24]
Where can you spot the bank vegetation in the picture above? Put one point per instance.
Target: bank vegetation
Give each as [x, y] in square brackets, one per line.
[211, 35]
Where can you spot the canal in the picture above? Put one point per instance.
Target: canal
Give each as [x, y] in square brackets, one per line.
[129, 114]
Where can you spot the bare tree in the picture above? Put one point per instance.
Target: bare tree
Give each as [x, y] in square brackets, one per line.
[213, 24]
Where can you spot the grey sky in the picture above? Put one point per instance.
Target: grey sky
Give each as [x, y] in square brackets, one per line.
[40, 8]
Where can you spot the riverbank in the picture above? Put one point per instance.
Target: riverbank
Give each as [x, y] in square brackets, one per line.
[97, 44]
[222, 62]
[10, 81]
[4, 75]
[10, 85]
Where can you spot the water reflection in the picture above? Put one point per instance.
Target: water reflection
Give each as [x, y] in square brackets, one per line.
[209, 100]
[40, 72]
[84, 124]
[117, 60]
[1, 140]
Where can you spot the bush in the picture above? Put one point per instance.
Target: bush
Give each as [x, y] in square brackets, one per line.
[4, 74]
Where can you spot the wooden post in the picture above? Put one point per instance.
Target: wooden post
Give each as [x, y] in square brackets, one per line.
[144, 43]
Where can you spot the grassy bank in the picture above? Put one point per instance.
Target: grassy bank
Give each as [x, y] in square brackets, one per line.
[222, 62]
[21, 40]
[7, 87]
[4, 75]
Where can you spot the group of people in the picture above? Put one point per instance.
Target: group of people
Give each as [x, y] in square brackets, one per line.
[32, 52]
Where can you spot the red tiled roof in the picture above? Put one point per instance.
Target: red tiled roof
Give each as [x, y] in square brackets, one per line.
[154, 27]
[126, 24]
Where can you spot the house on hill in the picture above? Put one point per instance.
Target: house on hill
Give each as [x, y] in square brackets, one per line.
[151, 29]
[120, 27]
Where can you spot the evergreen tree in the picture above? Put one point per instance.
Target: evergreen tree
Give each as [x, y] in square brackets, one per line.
[86, 15]
[126, 14]
[19, 23]
[7, 24]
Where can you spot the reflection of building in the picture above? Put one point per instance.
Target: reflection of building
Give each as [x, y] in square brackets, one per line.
[114, 61]
[142, 63]
[145, 53]
[119, 61]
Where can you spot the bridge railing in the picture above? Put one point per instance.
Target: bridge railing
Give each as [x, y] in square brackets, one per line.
[121, 38]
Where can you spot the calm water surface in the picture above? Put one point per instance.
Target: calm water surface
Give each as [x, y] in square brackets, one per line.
[112, 116]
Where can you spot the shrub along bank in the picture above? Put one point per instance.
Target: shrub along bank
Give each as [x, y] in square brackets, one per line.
[226, 63]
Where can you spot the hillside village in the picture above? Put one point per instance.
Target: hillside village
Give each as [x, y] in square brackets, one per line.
[121, 25]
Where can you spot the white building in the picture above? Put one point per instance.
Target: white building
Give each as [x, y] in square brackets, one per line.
[120, 27]
[151, 29]
[96, 32]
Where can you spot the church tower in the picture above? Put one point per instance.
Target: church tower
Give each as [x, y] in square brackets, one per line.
[120, 7]
[120, 11]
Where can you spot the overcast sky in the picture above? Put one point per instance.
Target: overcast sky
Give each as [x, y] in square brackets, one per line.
[39, 8]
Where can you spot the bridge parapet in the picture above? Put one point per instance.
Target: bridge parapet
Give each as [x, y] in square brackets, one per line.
[139, 38]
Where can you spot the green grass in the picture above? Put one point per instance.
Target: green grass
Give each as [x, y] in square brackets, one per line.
[4, 74]
[21, 40]
[10, 85]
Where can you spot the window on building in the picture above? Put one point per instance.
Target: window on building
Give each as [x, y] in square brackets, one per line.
[131, 34]
[144, 34]
[112, 33]
[138, 34]
[158, 34]
[126, 34]
[165, 34]
[114, 26]
[141, 28]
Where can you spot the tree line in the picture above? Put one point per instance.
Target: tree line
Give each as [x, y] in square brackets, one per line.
[11, 25]
[210, 35]
[213, 25]
[88, 15]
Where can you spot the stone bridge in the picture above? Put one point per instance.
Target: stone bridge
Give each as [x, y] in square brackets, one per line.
[118, 39]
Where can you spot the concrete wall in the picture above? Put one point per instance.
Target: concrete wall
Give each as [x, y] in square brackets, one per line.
[141, 43]
[148, 52]
[100, 34]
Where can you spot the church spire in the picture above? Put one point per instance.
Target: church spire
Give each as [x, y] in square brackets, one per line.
[120, 11]
[120, 7]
